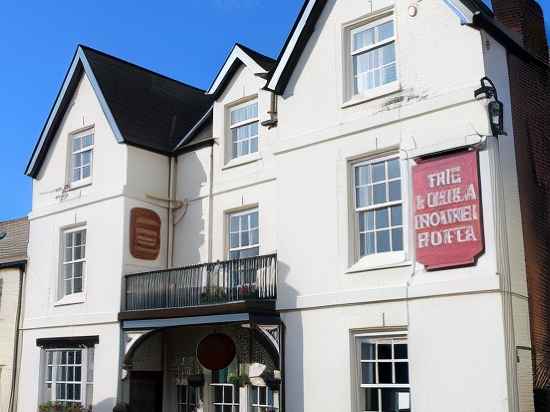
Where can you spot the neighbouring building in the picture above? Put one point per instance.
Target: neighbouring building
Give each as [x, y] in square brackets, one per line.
[14, 236]
[358, 225]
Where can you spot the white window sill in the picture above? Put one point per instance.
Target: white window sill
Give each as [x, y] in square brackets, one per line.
[381, 261]
[242, 160]
[373, 94]
[72, 299]
[79, 185]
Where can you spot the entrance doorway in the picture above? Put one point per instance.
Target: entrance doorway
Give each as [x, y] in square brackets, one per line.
[146, 392]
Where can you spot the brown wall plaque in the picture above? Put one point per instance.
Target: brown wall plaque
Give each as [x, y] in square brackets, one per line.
[144, 234]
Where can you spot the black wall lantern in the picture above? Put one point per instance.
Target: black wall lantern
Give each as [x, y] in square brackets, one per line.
[496, 108]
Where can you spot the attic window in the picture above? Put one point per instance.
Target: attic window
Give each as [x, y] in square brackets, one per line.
[3, 235]
[82, 147]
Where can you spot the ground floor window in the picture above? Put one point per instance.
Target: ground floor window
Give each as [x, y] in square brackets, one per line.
[69, 376]
[382, 373]
[226, 397]
[264, 399]
[187, 398]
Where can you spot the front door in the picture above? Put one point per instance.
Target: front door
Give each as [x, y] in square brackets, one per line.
[146, 391]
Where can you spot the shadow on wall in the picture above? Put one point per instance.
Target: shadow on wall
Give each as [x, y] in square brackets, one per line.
[106, 405]
[293, 344]
[190, 230]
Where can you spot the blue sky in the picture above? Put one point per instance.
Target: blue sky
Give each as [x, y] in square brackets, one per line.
[185, 39]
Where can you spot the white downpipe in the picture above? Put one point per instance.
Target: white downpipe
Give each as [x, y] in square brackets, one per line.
[503, 270]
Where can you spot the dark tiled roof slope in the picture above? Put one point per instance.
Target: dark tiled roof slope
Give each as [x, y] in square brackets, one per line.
[152, 111]
[13, 247]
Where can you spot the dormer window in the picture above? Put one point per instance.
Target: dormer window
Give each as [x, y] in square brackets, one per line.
[82, 147]
[244, 128]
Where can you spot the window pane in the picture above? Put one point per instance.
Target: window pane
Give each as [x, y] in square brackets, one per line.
[88, 140]
[383, 241]
[379, 172]
[367, 373]
[254, 237]
[363, 39]
[78, 269]
[388, 54]
[385, 372]
[77, 160]
[234, 224]
[394, 170]
[397, 215]
[395, 190]
[384, 351]
[401, 351]
[251, 252]
[362, 197]
[77, 285]
[77, 144]
[397, 239]
[385, 31]
[402, 372]
[245, 239]
[86, 157]
[369, 400]
[382, 218]
[379, 193]
[367, 351]
[253, 220]
[389, 74]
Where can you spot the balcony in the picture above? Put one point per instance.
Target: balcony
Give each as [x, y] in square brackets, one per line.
[220, 288]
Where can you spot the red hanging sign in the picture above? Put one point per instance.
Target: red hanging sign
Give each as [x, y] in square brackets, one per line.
[447, 217]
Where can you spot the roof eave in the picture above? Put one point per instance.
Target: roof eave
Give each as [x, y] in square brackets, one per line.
[79, 65]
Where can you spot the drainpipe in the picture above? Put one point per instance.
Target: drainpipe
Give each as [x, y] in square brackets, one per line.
[211, 204]
[170, 232]
[16, 347]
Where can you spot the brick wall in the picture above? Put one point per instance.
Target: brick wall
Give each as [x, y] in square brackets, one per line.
[529, 83]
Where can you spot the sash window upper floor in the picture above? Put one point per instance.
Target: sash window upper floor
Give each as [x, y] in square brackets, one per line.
[81, 159]
[73, 265]
[370, 58]
[244, 234]
[243, 124]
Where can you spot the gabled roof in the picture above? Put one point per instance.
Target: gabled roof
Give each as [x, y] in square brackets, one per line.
[257, 62]
[14, 238]
[470, 12]
[143, 108]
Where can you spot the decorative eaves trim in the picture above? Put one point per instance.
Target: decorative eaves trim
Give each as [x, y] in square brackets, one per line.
[236, 57]
[78, 66]
[465, 14]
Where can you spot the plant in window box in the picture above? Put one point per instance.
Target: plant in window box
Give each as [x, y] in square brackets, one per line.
[213, 294]
[238, 380]
[247, 291]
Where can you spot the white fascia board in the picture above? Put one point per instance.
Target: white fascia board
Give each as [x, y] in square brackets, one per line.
[191, 132]
[465, 15]
[272, 85]
[100, 97]
[79, 58]
[236, 54]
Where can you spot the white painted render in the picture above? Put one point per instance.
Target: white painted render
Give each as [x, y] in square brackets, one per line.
[300, 183]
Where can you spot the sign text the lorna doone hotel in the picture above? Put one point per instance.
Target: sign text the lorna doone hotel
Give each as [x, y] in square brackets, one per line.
[447, 205]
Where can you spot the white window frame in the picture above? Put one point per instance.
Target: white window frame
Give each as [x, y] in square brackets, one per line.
[50, 392]
[235, 393]
[73, 297]
[229, 232]
[231, 155]
[89, 131]
[372, 20]
[257, 406]
[358, 386]
[359, 262]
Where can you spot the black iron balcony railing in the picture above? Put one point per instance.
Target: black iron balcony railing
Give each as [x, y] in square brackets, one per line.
[253, 278]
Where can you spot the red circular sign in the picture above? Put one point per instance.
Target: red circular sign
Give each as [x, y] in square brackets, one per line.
[216, 351]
